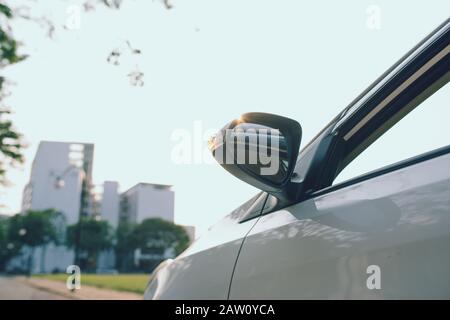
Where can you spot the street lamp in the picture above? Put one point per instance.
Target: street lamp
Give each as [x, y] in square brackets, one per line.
[59, 180]
[59, 183]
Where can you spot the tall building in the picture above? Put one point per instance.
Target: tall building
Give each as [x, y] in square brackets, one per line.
[147, 200]
[61, 179]
[109, 211]
[110, 203]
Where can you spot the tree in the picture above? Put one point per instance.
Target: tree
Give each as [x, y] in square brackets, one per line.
[8, 249]
[34, 229]
[3, 243]
[10, 146]
[94, 236]
[125, 245]
[156, 237]
[10, 140]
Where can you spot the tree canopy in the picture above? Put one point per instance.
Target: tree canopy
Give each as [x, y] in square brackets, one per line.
[8, 249]
[89, 236]
[35, 228]
[156, 233]
[95, 235]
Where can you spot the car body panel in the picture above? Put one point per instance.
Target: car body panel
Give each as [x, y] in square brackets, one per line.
[321, 248]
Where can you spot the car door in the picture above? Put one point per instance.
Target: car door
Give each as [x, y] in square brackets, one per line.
[324, 247]
[380, 234]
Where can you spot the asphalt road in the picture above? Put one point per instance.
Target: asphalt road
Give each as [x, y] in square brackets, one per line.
[11, 289]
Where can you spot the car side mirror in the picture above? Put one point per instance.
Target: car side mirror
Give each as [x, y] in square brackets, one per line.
[260, 149]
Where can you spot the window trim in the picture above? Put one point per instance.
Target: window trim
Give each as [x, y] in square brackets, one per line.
[394, 94]
[343, 152]
[391, 122]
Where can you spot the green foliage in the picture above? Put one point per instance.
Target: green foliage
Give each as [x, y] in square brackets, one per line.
[125, 245]
[94, 235]
[8, 49]
[8, 45]
[10, 140]
[5, 10]
[34, 228]
[125, 237]
[151, 236]
[3, 243]
[8, 249]
[160, 234]
[89, 236]
[120, 282]
[10, 146]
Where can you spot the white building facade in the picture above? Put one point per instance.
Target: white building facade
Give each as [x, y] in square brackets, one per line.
[110, 203]
[148, 200]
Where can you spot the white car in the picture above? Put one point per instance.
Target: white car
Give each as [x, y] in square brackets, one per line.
[314, 232]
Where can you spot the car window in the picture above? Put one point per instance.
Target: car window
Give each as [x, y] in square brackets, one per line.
[424, 129]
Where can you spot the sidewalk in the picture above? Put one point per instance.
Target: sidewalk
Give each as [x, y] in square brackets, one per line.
[85, 293]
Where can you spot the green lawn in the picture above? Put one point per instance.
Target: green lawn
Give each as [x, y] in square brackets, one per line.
[120, 282]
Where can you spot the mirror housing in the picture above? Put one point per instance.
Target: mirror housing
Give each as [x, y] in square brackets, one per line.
[260, 149]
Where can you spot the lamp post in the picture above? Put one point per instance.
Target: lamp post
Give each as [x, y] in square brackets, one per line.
[59, 184]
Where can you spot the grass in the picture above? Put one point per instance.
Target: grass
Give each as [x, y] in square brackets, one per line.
[120, 282]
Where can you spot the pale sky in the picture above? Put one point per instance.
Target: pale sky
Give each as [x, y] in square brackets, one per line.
[204, 60]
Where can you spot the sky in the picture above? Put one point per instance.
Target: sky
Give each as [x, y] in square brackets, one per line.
[205, 62]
